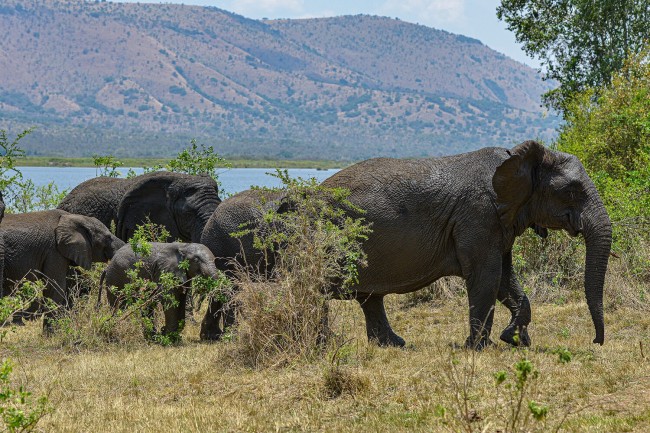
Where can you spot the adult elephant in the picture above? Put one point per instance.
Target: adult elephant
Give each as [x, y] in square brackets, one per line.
[44, 244]
[460, 215]
[182, 203]
[231, 216]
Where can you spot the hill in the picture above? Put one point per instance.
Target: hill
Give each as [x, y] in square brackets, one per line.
[142, 79]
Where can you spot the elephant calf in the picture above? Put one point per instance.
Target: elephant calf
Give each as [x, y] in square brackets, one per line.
[165, 257]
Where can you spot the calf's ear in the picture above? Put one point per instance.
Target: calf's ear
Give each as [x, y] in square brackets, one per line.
[73, 240]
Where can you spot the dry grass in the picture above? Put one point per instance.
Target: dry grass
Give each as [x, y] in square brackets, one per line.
[198, 387]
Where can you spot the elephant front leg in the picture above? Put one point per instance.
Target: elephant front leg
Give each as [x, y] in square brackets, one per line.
[482, 288]
[210, 326]
[377, 326]
[513, 297]
[56, 292]
[175, 314]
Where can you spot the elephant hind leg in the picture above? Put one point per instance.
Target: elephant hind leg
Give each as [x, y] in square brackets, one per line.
[377, 326]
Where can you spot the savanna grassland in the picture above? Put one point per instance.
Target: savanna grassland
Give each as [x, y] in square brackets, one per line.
[280, 370]
[429, 386]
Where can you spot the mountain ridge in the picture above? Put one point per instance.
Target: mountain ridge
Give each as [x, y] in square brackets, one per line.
[143, 79]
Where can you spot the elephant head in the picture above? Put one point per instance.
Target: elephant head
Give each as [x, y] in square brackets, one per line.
[200, 259]
[183, 203]
[85, 240]
[547, 189]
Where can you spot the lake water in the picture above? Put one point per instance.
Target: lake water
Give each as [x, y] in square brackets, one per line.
[232, 180]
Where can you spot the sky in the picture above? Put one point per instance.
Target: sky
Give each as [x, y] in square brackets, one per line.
[474, 18]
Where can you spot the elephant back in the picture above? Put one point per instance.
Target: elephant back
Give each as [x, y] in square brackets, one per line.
[230, 216]
[99, 197]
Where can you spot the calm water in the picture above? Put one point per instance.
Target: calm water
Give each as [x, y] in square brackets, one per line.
[232, 181]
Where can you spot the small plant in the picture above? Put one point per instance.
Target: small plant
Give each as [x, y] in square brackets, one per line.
[18, 409]
[107, 166]
[31, 198]
[340, 379]
[10, 153]
[517, 386]
[196, 160]
[459, 376]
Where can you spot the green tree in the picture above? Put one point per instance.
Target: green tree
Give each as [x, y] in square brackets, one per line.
[580, 43]
[197, 160]
[9, 154]
[610, 133]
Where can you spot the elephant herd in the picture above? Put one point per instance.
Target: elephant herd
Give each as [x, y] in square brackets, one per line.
[456, 215]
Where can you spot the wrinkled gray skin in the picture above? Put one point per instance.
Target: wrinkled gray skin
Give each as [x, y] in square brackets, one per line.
[246, 207]
[165, 257]
[180, 202]
[459, 215]
[44, 244]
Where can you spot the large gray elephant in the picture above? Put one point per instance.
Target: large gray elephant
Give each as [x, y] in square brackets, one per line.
[460, 215]
[231, 216]
[44, 244]
[180, 202]
[164, 257]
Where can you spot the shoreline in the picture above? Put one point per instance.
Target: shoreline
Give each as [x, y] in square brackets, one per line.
[53, 161]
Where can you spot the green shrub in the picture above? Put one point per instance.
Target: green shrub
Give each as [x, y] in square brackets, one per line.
[316, 246]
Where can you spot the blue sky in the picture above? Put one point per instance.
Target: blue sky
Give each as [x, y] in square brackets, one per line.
[475, 18]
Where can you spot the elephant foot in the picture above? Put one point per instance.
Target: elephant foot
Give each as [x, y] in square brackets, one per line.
[389, 339]
[48, 327]
[210, 336]
[516, 335]
[472, 343]
[210, 333]
[17, 321]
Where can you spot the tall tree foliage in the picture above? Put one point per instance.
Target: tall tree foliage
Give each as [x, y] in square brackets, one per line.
[610, 133]
[580, 43]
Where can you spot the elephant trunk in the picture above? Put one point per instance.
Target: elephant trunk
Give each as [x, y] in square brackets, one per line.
[116, 244]
[202, 217]
[597, 231]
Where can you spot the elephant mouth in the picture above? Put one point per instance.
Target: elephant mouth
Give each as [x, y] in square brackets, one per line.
[566, 222]
[573, 227]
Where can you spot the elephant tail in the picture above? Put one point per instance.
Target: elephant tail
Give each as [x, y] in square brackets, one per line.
[101, 286]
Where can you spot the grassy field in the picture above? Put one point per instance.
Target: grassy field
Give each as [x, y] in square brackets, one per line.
[430, 386]
[44, 161]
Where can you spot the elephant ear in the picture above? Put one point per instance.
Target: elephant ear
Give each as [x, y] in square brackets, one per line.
[514, 180]
[73, 240]
[148, 197]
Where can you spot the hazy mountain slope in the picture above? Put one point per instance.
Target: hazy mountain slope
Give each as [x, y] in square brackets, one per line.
[402, 56]
[142, 79]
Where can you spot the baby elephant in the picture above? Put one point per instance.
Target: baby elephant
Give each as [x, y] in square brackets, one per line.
[184, 260]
